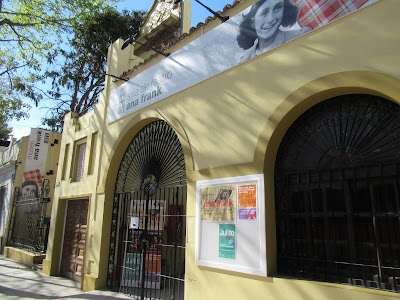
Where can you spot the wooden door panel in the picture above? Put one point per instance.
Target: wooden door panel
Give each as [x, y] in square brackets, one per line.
[74, 240]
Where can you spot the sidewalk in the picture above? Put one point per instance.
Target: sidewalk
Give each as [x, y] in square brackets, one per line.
[20, 282]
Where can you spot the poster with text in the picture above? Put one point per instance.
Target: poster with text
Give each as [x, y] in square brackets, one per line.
[153, 271]
[247, 202]
[218, 203]
[131, 272]
[227, 241]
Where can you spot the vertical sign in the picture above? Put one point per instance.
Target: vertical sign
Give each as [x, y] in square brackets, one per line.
[227, 241]
[35, 162]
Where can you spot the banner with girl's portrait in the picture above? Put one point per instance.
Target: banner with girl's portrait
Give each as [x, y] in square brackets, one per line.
[259, 28]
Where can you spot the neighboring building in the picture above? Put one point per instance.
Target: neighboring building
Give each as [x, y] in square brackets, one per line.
[8, 164]
[4, 144]
[32, 189]
[212, 174]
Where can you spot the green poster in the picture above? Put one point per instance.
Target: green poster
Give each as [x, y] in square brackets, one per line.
[227, 241]
[131, 272]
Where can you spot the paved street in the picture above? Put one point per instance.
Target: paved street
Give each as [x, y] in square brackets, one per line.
[20, 282]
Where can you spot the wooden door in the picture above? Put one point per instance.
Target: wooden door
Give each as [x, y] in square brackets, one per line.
[74, 240]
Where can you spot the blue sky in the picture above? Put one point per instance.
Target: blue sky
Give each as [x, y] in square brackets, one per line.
[199, 14]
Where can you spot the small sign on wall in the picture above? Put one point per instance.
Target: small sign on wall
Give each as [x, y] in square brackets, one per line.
[134, 224]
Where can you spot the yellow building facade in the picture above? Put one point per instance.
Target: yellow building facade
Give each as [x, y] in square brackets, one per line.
[230, 125]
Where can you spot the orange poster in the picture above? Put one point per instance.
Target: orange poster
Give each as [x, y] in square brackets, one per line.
[247, 196]
[153, 263]
[247, 202]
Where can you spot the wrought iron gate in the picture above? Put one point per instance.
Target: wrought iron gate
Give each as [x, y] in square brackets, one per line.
[153, 251]
[30, 223]
[147, 245]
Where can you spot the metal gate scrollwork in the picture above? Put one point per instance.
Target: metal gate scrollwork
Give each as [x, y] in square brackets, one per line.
[147, 243]
[337, 194]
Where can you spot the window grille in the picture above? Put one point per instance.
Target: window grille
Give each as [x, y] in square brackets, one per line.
[80, 161]
[337, 187]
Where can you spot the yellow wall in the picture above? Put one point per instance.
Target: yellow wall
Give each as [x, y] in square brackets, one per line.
[231, 125]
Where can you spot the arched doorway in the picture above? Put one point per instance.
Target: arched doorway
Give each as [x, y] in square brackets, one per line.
[337, 187]
[147, 244]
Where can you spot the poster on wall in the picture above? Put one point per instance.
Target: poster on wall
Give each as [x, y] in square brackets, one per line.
[242, 37]
[35, 163]
[227, 241]
[218, 203]
[231, 237]
[247, 202]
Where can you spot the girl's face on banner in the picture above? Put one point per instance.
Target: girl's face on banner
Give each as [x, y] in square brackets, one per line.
[29, 191]
[268, 18]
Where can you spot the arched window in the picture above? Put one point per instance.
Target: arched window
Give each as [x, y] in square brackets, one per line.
[337, 187]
